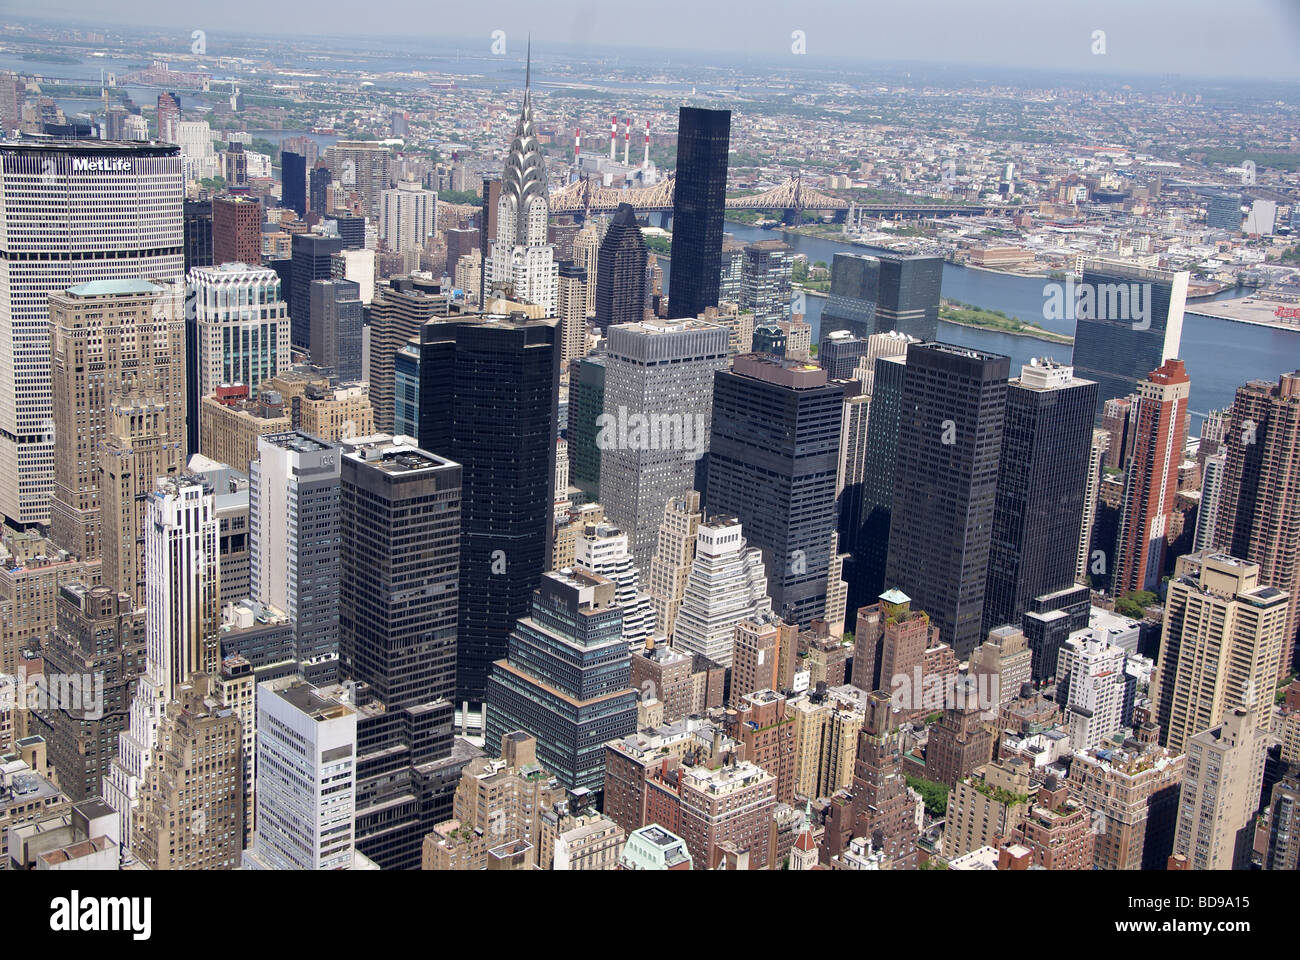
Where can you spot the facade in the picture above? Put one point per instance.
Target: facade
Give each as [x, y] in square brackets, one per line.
[1098, 691]
[586, 404]
[571, 308]
[674, 555]
[655, 425]
[620, 284]
[198, 234]
[601, 549]
[1042, 482]
[565, 678]
[229, 431]
[1220, 792]
[1222, 642]
[105, 334]
[1133, 792]
[699, 198]
[883, 293]
[986, 807]
[945, 485]
[773, 462]
[293, 189]
[49, 190]
[1129, 321]
[398, 313]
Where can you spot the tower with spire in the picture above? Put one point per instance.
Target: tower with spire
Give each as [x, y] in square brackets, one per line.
[522, 264]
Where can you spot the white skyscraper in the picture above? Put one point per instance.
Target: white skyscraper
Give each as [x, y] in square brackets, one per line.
[727, 584]
[73, 211]
[182, 589]
[602, 549]
[306, 778]
[408, 216]
[521, 259]
[1093, 688]
[242, 325]
[195, 139]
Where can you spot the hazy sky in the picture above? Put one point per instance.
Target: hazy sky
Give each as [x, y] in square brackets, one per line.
[1253, 39]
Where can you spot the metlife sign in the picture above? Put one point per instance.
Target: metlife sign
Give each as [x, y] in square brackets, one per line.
[101, 164]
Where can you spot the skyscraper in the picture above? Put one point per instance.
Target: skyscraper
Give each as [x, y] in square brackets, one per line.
[198, 234]
[336, 318]
[133, 194]
[106, 334]
[183, 591]
[306, 778]
[765, 280]
[658, 406]
[699, 198]
[727, 584]
[522, 261]
[242, 327]
[620, 278]
[398, 314]
[773, 461]
[1129, 321]
[565, 678]
[1221, 645]
[1220, 792]
[293, 526]
[945, 485]
[236, 231]
[601, 550]
[169, 116]
[400, 525]
[674, 555]
[293, 187]
[1042, 479]
[408, 216]
[888, 291]
[1151, 479]
[1259, 507]
[571, 307]
[311, 255]
[490, 400]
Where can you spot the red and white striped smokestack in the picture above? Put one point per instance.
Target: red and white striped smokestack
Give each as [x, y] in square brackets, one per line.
[577, 144]
[627, 137]
[613, 137]
[645, 160]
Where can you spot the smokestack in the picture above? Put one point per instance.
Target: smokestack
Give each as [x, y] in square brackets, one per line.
[645, 160]
[613, 137]
[577, 145]
[627, 137]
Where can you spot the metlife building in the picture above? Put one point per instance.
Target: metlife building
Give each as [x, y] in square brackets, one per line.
[71, 211]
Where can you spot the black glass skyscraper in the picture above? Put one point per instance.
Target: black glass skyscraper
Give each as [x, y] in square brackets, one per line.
[352, 231]
[319, 183]
[198, 234]
[877, 294]
[293, 185]
[310, 255]
[1128, 322]
[865, 530]
[1046, 439]
[620, 275]
[699, 199]
[945, 485]
[773, 461]
[489, 394]
[586, 404]
[400, 525]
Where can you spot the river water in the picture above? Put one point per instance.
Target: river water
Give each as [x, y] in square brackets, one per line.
[1220, 354]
